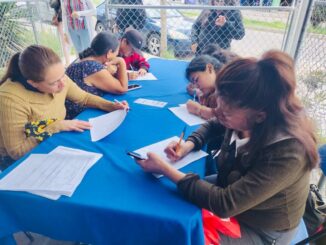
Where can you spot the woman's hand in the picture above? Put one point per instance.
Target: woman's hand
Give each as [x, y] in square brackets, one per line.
[74, 125]
[175, 152]
[220, 21]
[74, 15]
[117, 61]
[112, 68]
[132, 75]
[142, 72]
[153, 164]
[194, 47]
[193, 107]
[121, 105]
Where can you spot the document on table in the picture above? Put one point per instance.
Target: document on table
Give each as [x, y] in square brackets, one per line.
[106, 124]
[155, 103]
[148, 76]
[184, 115]
[51, 175]
[159, 147]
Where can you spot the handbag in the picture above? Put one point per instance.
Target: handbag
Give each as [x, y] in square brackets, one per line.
[315, 212]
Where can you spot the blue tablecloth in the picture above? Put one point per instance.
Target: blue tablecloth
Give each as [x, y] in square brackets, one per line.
[117, 203]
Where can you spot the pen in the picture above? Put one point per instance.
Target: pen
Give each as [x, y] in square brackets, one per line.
[131, 67]
[177, 148]
[195, 92]
[119, 102]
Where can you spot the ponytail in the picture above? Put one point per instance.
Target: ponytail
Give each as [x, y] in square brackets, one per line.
[30, 64]
[13, 72]
[86, 53]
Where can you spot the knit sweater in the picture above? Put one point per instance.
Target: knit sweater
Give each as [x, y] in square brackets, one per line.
[269, 195]
[19, 106]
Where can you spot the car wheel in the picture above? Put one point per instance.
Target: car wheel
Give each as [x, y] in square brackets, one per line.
[99, 27]
[153, 44]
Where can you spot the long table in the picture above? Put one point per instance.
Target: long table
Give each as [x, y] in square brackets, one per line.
[117, 203]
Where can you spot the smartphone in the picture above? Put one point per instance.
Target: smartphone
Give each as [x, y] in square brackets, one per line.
[133, 86]
[135, 155]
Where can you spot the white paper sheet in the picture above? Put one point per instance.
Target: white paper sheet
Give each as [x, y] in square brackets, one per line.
[155, 103]
[51, 175]
[182, 113]
[146, 77]
[159, 147]
[106, 124]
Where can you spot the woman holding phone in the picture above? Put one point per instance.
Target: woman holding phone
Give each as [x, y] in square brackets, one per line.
[265, 160]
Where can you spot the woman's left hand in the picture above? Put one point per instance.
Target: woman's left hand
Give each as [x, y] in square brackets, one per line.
[153, 164]
[142, 72]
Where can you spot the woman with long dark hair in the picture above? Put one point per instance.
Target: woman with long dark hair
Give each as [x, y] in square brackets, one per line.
[32, 96]
[265, 160]
[98, 70]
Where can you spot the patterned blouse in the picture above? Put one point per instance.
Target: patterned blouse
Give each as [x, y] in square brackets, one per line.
[77, 72]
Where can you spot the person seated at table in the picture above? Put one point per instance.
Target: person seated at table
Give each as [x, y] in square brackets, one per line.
[99, 70]
[32, 96]
[196, 66]
[268, 152]
[130, 45]
[202, 72]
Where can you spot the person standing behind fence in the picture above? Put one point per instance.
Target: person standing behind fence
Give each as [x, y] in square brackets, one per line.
[32, 96]
[216, 26]
[130, 45]
[57, 21]
[94, 73]
[135, 18]
[78, 19]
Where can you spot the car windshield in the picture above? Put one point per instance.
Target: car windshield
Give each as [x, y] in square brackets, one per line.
[155, 13]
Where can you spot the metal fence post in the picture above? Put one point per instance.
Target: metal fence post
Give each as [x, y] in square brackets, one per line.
[297, 28]
[164, 45]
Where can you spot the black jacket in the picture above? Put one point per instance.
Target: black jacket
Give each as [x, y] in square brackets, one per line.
[131, 17]
[204, 30]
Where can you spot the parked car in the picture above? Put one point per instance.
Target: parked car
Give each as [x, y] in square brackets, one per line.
[178, 29]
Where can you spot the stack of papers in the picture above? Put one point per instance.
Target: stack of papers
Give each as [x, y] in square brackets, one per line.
[51, 175]
[182, 112]
[159, 147]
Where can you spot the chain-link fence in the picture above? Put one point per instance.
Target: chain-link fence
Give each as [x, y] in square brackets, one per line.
[178, 28]
[311, 66]
[23, 23]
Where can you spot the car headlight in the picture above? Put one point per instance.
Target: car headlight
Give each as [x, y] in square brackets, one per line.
[177, 35]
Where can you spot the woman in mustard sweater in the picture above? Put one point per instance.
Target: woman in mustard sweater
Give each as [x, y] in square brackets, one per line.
[32, 102]
[265, 159]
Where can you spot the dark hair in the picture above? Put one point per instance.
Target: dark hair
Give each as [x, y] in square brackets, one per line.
[268, 85]
[102, 43]
[200, 62]
[223, 56]
[30, 64]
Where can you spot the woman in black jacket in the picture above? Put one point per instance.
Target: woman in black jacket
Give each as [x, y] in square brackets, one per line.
[217, 26]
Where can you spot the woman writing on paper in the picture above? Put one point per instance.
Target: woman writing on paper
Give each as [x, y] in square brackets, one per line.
[32, 96]
[265, 159]
[99, 70]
